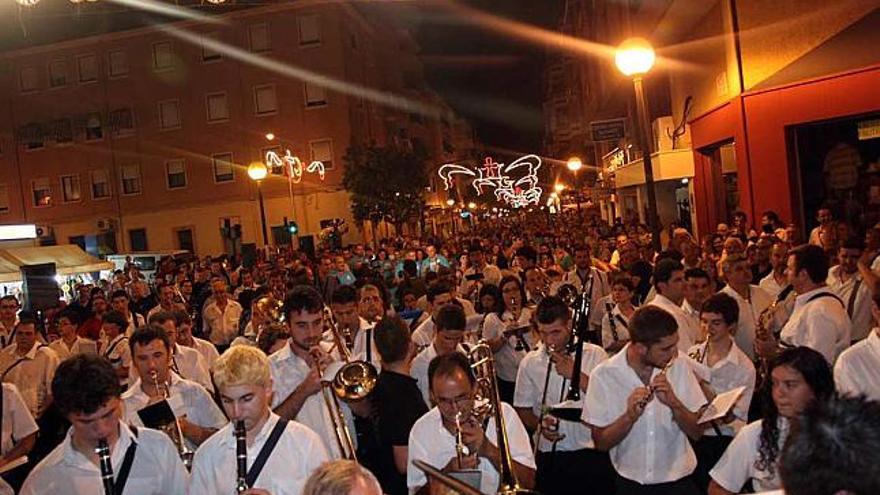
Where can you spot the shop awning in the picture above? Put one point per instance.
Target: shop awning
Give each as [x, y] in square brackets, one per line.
[68, 259]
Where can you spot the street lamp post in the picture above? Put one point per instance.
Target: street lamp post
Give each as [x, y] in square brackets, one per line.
[574, 164]
[258, 171]
[634, 58]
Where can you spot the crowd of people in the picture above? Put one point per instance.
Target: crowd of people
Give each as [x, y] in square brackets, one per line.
[745, 360]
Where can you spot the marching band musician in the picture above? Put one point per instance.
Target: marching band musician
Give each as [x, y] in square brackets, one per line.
[776, 280]
[566, 459]
[292, 451]
[438, 295]
[345, 307]
[669, 283]
[116, 349]
[720, 366]
[143, 461]
[185, 361]
[751, 299]
[580, 276]
[186, 338]
[296, 377]
[509, 348]
[18, 434]
[642, 406]
[196, 412]
[857, 370]
[371, 309]
[29, 365]
[450, 323]
[478, 273]
[70, 343]
[615, 334]
[846, 281]
[433, 437]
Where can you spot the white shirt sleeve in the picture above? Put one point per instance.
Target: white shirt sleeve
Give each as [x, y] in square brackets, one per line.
[843, 381]
[493, 327]
[518, 438]
[600, 409]
[527, 392]
[821, 334]
[736, 465]
[415, 477]
[23, 423]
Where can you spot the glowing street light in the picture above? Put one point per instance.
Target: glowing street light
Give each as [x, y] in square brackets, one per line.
[559, 188]
[270, 136]
[635, 57]
[472, 206]
[258, 171]
[450, 201]
[574, 164]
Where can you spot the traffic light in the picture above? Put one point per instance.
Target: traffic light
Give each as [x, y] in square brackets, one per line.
[292, 228]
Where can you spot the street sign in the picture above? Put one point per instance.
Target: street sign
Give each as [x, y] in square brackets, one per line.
[608, 130]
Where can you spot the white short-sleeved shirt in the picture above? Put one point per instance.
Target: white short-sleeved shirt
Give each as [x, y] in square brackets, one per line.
[192, 366]
[656, 450]
[431, 442]
[857, 370]
[749, 311]
[297, 454]
[507, 358]
[118, 353]
[221, 326]
[821, 324]
[81, 345]
[32, 374]
[530, 389]
[423, 335]
[207, 350]
[856, 293]
[621, 327]
[18, 422]
[188, 399]
[687, 333]
[156, 470]
[360, 344]
[735, 370]
[771, 286]
[419, 371]
[737, 465]
[288, 372]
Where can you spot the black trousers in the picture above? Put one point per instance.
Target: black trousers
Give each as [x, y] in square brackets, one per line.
[505, 390]
[578, 472]
[684, 486]
[709, 450]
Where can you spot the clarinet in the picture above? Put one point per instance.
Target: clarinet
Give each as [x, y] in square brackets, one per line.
[241, 485]
[103, 451]
[613, 324]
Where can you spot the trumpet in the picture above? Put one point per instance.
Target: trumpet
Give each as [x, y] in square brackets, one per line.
[172, 428]
[241, 484]
[103, 451]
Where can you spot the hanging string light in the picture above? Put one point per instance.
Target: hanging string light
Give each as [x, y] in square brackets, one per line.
[216, 2]
[27, 3]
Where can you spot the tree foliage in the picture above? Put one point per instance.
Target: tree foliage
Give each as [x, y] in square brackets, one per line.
[385, 182]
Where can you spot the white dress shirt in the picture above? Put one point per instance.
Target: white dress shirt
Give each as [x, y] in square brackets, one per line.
[419, 370]
[857, 370]
[423, 335]
[118, 353]
[734, 370]
[737, 465]
[288, 372]
[32, 374]
[298, 452]
[857, 294]
[18, 422]
[656, 450]
[81, 345]
[821, 324]
[491, 275]
[191, 365]
[749, 311]
[207, 350]
[135, 321]
[221, 326]
[431, 442]
[530, 389]
[359, 348]
[693, 316]
[156, 470]
[687, 333]
[771, 286]
[188, 399]
[507, 358]
[621, 326]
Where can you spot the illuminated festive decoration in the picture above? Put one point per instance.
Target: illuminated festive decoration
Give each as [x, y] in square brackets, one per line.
[294, 165]
[27, 3]
[516, 183]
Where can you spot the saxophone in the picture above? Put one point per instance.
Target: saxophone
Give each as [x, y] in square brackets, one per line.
[762, 330]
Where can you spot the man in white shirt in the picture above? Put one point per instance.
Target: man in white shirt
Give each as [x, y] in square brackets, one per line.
[120, 302]
[370, 309]
[70, 343]
[857, 370]
[244, 383]
[87, 392]
[642, 406]
[579, 277]
[751, 299]
[296, 376]
[433, 437]
[194, 409]
[776, 280]
[30, 366]
[116, 349]
[846, 281]
[220, 316]
[8, 318]
[185, 361]
[166, 300]
[185, 338]
[478, 273]
[439, 294]
[819, 320]
[18, 433]
[567, 460]
[450, 323]
[669, 283]
[825, 218]
[698, 286]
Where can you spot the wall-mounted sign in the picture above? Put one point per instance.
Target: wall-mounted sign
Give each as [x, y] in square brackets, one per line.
[608, 130]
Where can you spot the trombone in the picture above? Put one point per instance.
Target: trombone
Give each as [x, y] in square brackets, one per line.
[172, 427]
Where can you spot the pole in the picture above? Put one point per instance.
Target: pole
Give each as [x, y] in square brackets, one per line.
[262, 214]
[645, 138]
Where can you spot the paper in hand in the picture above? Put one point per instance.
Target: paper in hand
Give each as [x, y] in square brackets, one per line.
[722, 404]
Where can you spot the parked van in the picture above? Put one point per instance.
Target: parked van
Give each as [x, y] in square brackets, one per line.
[147, 261]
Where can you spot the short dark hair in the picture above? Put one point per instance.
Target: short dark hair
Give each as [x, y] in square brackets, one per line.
[436, 289]
[664, 269]
[303, 298]
[71, 315]
[649, 324]
[696, 273]
[853, 242]
[450, 317]
[83, 383]
[119, 293]
[723, 305]
[528, 252]
[392, 339]
[812, 259]
[116, 318]
[160, 317]
[552, 309]
[148, 333]
[344, 294]
[447, 364]
[181, 317]
[269, 335]
[834, 447]
[622, 278]
[10, 297]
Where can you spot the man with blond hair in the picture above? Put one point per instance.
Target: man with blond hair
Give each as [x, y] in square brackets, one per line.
[342, 477]
[281, 454]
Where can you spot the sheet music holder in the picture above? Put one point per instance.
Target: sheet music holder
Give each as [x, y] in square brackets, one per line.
[722, 405]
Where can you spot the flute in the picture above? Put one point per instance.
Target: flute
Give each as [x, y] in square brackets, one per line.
[648, 398]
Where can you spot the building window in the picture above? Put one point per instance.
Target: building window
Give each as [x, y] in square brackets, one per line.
[223, 167]
[131, 179]
[57, 74]
[122, 122]
[118, 66]
[138, 239]
[62, 131]
[4, 198]
[29, 79]
[31, 136]
[163, 57]
[265, 101]
[218, 108]
[185, 239]
[88, 68]
[100, 184]
[258, 37]
[175, 173]
[322, 151]
[94, 129]
[315, 96]
[71, 190]
[42, 192]
[309, 30]
[208, 53]
[169, 114]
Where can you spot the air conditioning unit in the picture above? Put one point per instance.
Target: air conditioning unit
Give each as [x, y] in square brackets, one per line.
[45, 232]
[106, 224]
